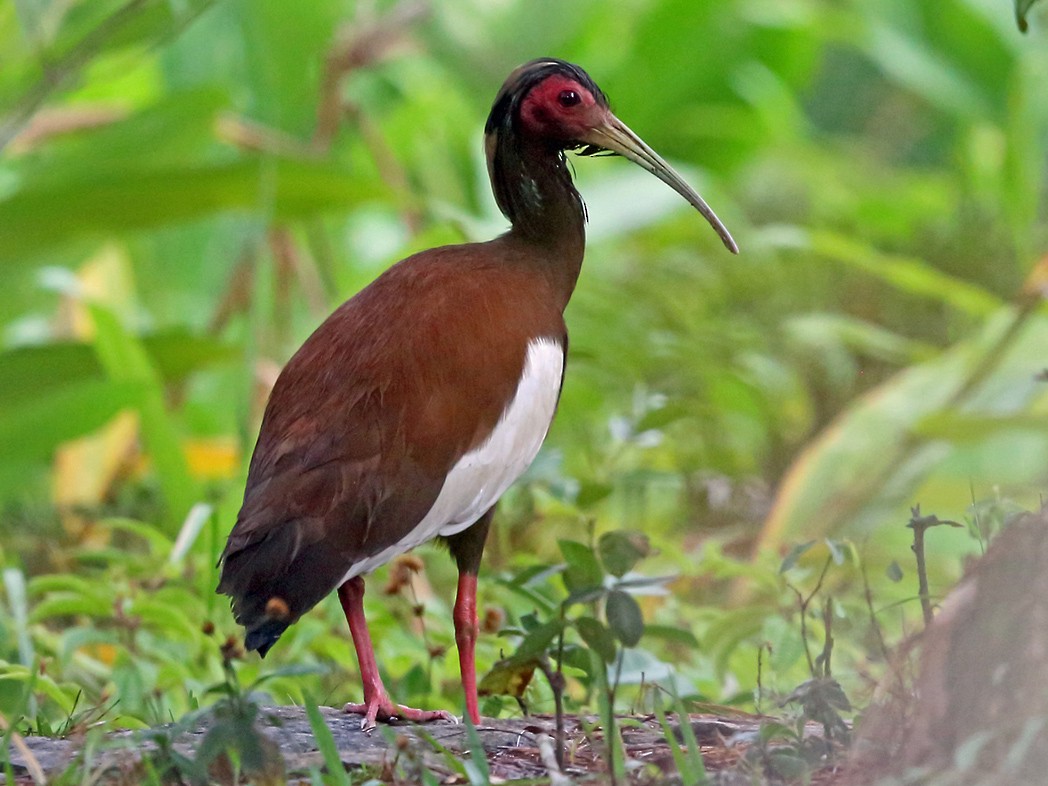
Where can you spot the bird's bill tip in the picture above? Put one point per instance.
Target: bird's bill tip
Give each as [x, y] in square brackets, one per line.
[616, 136]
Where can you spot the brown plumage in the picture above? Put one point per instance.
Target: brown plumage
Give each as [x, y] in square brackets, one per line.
[417, 373]
[362, 426]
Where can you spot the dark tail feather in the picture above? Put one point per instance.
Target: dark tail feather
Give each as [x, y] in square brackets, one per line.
[264, 635]
[269, 591]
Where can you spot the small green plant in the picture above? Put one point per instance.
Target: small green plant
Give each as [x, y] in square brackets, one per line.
[596, 621]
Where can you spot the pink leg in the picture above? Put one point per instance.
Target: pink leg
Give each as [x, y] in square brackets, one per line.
[376, 706]
[465, 616]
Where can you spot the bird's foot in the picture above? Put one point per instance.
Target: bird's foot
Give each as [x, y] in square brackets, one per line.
[384, 710]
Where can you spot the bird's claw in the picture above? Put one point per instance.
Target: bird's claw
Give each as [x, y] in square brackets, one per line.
[384, 710]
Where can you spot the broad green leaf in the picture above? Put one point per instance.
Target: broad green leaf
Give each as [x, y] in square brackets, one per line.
[672, 635]
[178, 353]
[1022, 7]
[39, 218]
[866, 466]
[583, 571]
[624, 617]
[597, 637]
[125, 359]
[969, 428]
[159, 544]
[283, 54]
[27, 372]
[32, 371]
[590, 493]
[620, 550]
[67, 604]
[61, 582]
[32, 429]
[538, 640]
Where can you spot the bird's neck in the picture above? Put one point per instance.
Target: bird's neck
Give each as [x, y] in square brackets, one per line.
[534, 191]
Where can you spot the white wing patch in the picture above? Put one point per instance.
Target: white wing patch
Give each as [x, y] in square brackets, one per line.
[481, 476]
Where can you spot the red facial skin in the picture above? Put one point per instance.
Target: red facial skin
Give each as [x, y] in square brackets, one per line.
[560, 109]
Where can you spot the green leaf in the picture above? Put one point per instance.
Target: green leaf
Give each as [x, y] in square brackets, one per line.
[691, 744]
[159, 544]
[29, 372]
[32, 429]
[867, 464]
[34, 371]
[590, 493]
[620, 550]
[178, 353]
[43, 217]
[624, 617]
[689, 777]
[795, 554]
[962, 428]
[126, 360]
[583, 571]
[326, 745]
[538, 639]
[597, 637]
[1022, 7]
[672, 635]
[18, 602]
[65, 605]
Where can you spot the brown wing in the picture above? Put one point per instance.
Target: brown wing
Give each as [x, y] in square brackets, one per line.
[366, 420]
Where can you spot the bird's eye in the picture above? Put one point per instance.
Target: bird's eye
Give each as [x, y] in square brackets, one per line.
[568, 98]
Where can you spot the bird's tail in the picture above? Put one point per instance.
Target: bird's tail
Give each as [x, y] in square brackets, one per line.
[268, 593]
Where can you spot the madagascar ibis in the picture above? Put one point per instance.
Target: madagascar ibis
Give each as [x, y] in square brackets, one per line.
[413, 407]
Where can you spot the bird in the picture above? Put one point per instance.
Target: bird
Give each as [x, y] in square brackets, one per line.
[416, 404]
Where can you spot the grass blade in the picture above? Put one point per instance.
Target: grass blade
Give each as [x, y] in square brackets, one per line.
[695, 764]
[687, 774]
[326, 744]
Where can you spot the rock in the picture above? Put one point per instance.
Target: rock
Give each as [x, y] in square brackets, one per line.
[287, 744]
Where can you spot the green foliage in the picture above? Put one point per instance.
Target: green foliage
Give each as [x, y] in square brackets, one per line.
[175, 218]
[1022, 7]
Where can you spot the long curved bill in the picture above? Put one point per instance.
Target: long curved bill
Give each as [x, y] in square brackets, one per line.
[616, 136]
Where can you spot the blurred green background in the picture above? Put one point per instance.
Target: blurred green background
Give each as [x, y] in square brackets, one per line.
[187, 188]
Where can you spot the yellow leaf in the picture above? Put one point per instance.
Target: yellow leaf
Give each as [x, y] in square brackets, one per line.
[86, 469]
[213, 458]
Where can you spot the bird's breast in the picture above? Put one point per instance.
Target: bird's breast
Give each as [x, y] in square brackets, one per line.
[483, 474]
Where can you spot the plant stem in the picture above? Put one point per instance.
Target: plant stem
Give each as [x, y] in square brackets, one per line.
[922, 569]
